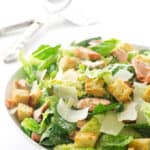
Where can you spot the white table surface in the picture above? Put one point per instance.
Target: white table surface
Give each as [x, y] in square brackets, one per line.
[126, 20]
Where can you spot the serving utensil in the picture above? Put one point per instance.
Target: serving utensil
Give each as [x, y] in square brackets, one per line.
[20, 43]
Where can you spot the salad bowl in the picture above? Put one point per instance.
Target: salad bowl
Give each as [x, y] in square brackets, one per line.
[52, 100]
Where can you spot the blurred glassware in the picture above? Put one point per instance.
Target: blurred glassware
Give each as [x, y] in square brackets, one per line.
[75, 11]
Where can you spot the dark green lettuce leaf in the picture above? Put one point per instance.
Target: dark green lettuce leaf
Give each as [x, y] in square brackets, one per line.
[58, 132]
[143, 129]
[99, 109]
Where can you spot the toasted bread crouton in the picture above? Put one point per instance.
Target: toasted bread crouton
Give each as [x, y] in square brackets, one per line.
[24, 111]
[140, 144]
[124, 46]
[120, 90]
[146, 95]
[131, 148]
[20, 96]
[85, 139]
[35, 96]
[68, 62]
[95, 87]
[10, 103]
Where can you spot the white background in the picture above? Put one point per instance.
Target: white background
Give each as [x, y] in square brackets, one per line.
[125, 19]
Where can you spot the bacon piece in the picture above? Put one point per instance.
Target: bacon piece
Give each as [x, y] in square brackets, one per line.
[85, 53]
[92, 103]
[37, 115]
[36, 137]
[121, 55]
[142, 70]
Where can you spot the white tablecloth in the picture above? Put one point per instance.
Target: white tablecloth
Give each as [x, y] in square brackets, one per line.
[121, 19]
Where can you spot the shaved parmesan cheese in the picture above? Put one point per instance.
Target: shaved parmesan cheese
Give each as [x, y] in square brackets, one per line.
[129, 113]
[59, 75]
[138, 91]
[66, 92]
[111, 125]
[34, 87]
[69, 114]
[94, 64]
[123, 75]
[70, 75]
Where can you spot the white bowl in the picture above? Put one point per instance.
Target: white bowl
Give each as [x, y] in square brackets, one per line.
[17, 75]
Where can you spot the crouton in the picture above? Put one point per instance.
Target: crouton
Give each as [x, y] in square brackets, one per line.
[131, 148]
[140, 144]
[120, 90]
[94, 87]
[10, 103]
[88, 134]
[24, 111]
[68, 62]
[20, 96]
[146, 95]
[35, 96]
[85, 139]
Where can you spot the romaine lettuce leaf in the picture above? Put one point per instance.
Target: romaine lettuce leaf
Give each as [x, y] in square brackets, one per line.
[85, 43]
[109, 142]
[143, 129]
[31, 125]
[57, 132]
[44, 51]
[106, 47]
[100, 109]
[28, 68]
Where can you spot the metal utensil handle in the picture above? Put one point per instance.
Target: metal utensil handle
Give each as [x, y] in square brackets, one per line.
[15, 27]
[20, 44]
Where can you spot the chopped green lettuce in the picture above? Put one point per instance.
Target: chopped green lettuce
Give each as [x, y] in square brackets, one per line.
[105, 48]
[44, 51]
[106, 75]
[145, 52]
[28, 68]
[85, 43]
[145, 110]
[143, 129]
[100, 109]
[31, 125]
[109, 142]
[57, 132]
